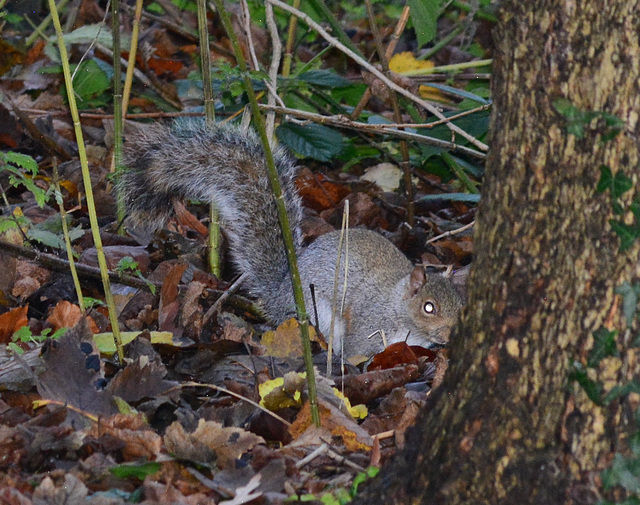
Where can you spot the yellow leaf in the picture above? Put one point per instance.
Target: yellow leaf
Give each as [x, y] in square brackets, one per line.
[405, 62]
[106, 344]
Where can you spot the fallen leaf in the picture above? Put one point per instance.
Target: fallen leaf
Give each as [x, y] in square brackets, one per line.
[209, 442]
[12, 321]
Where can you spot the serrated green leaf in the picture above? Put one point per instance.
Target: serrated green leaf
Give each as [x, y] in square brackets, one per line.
[424, 16]
[311, 141]
[46, 238]
[22, 160]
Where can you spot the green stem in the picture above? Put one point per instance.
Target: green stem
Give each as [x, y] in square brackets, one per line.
[86, 178]
[210, 114]
[460, 173]
[282, 213]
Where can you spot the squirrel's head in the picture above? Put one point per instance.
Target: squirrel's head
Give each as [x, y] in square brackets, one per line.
[434, 305]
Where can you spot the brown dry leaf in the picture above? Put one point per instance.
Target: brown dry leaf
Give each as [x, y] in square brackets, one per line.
[210, 441]
[140, 379]
[12, 321]
[12, 447]
[11, 496]
[318, 192]
[66, 315]
[245, 494]
[398, 353]
[191, 312]
[156, 493]
[188, 220]
[73, 371]
[141, 442]
[169, 304]
[73, 491]
[442, 363]
[407, 420]
[285, 341]
[334, 421]
[9, 56]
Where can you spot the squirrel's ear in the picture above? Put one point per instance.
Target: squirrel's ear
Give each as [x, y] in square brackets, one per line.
[416, 280]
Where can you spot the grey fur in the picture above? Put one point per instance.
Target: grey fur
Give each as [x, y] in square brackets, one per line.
[224, 164]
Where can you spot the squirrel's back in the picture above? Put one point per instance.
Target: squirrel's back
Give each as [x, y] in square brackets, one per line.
[220, 163]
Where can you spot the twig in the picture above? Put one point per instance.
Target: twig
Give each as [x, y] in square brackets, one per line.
[345, 122]
[309, 458]
[451, 232]
[229, 392]
[54, 262]
[276, 54]
[218, 303]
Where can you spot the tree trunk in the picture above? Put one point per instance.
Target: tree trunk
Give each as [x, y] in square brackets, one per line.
[512, 422]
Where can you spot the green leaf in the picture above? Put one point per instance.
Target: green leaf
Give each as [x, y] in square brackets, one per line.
[89, 85]
[324, 78]
[22, 335]
[623, 472]
[621, 390]
[127, 263]
[621, 184]
[591, 388]
[311, 141]
[604, 345]
[21, 160]
[627, 233]
[90, 34]
[139, 471]
[46, 238]
[630, 294]
[424, 16]
[606, 179]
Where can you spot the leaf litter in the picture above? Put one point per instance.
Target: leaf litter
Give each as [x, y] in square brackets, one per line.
[182, 420]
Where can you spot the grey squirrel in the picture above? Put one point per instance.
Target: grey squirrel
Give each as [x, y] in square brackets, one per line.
[385, 293]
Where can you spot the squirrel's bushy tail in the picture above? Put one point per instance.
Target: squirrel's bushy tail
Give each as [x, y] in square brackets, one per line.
[189, 160]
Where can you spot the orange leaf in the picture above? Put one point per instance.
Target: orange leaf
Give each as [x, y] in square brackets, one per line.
[12, 321]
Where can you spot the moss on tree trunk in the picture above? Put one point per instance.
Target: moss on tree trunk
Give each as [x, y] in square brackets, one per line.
[510, 424]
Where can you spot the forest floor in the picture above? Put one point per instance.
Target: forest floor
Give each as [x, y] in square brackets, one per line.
[209, 405]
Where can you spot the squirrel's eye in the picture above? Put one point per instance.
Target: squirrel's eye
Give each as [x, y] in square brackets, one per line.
[429, 308]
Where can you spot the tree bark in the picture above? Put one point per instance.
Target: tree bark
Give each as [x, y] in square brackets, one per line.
[510, 424]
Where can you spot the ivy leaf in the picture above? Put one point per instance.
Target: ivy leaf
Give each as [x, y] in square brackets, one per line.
[627, 233]
[604, 345]
[591, 388]
[630, 295]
